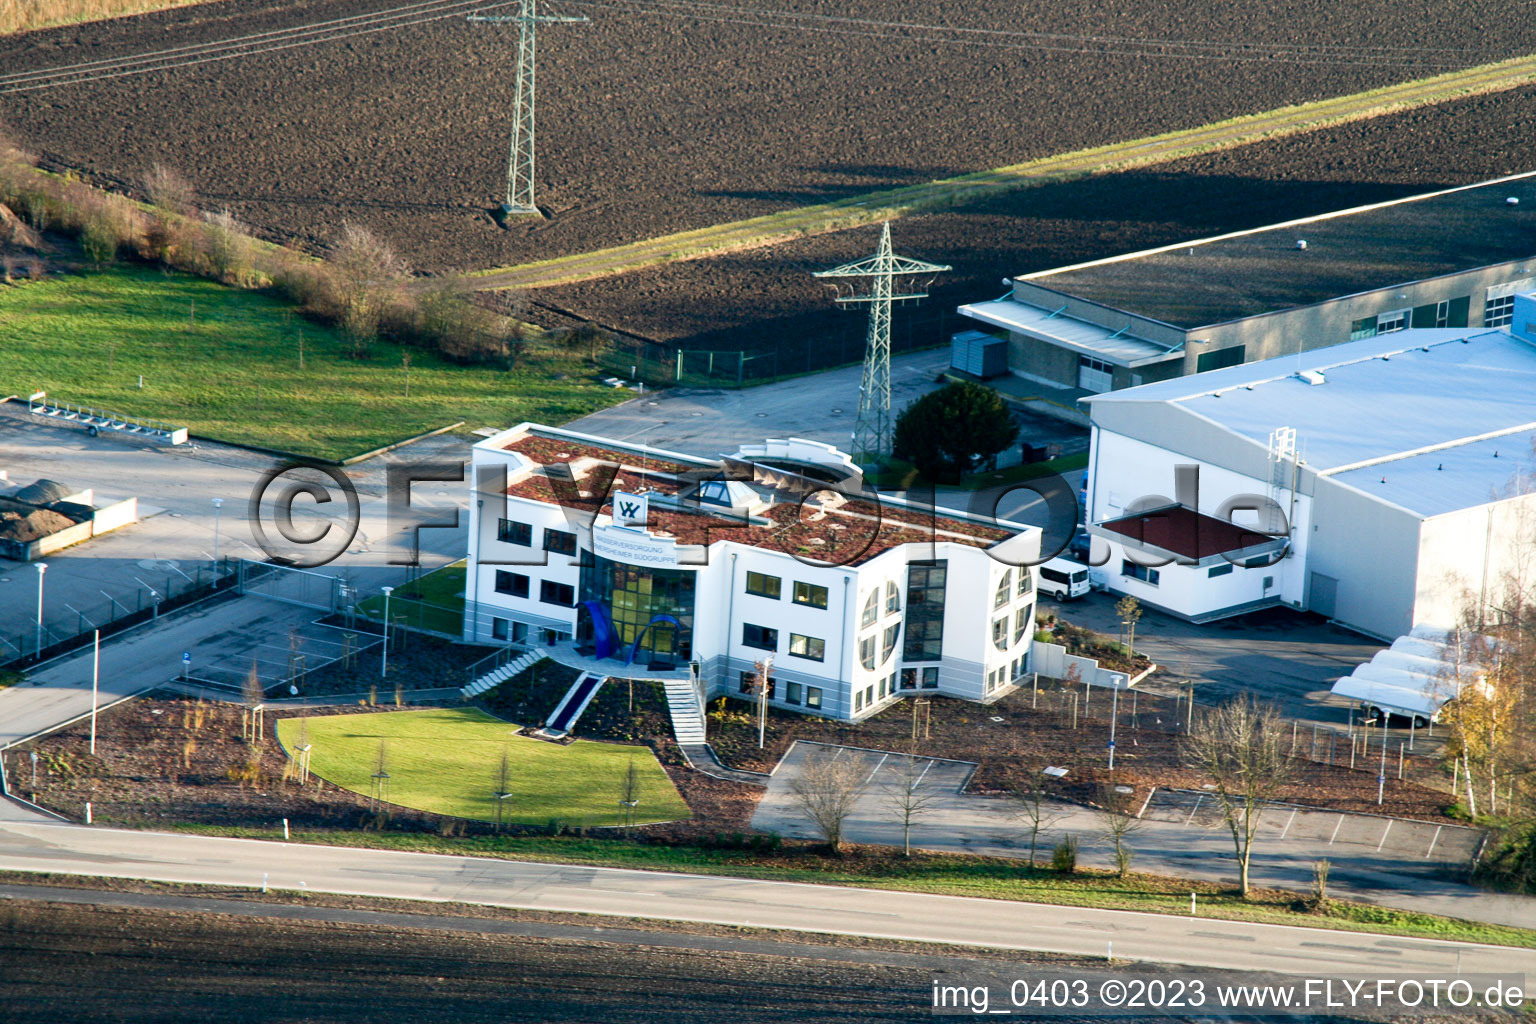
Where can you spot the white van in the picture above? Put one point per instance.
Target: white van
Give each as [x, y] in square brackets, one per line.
[1063, 579]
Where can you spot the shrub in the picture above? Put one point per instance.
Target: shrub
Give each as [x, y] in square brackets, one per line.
[167, 189]
[1064, 857]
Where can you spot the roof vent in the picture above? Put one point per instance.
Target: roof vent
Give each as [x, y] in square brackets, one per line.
[1312, 377]
[1301, 243]
[1512, 201]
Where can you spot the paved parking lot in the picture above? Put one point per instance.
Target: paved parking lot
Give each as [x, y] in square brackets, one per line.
[1393, 862]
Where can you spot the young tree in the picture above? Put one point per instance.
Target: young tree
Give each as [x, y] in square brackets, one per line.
[503, 785]
[1037, 813]
[945, 431]
[1118, 822]
[911, 799]
[826, 788]
[629, 792]
[1241, 747]
[1129, 610]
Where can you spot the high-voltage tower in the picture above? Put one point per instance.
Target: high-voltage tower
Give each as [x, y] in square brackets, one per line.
[872, 428]
[520, 165]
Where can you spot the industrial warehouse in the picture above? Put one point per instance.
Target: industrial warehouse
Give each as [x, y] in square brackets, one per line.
[1383, 483]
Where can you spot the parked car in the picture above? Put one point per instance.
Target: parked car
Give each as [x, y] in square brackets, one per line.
[1063, 579]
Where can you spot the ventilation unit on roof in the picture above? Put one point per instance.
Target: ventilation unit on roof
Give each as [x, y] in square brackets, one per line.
[1312, 377]
[1301, 243]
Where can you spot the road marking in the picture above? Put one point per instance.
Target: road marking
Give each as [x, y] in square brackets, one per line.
[890, 204]
[1336, 827]
[1432, 840]
[1288, 823]
[1199, 797]
[875, 769]
[1384, 833]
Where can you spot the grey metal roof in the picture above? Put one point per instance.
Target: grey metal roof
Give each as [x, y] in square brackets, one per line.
[1424, 410]
[1121, 348]
[1228, 277]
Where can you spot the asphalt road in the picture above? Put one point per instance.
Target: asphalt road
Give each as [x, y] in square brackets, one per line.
[79, 850]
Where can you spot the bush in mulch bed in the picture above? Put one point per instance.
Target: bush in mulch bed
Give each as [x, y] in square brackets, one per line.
[1086, 643]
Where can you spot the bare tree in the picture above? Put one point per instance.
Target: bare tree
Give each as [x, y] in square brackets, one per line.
[367, 275]
[1037, 813]
[629, 792]
[1242, 749]
[912, 798]
[1118, 823]
[168, 189]
[826, 788]
[503, 785]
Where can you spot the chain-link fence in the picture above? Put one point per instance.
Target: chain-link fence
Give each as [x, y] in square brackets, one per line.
[67, 625]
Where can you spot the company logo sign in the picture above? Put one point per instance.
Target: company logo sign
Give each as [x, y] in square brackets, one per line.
[630, 509]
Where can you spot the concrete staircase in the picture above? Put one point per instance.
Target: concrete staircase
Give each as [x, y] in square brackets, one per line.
[497, 676]
[687, 722]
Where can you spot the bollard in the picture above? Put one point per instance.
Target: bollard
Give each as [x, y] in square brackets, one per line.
[87, 812]
[285, 830]
[263, 881]
[1191, 904]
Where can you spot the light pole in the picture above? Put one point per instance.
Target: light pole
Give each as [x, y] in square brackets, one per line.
[1114, 713]
[42, 567]
[384, 661]
[95, 683]
[218, 503]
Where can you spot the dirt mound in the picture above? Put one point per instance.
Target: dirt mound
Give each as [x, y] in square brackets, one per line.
[22, 525]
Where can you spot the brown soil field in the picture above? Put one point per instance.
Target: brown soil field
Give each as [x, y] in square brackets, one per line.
[81, 963]
[652, 121]
[766, 298]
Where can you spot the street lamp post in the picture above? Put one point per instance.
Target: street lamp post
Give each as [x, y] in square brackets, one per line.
[218, 503]
[42, 567]
[384, 661]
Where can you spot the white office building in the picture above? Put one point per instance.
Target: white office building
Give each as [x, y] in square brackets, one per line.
[652, 563]
[1384, 483]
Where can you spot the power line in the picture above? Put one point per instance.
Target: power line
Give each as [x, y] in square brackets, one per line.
[126, 67]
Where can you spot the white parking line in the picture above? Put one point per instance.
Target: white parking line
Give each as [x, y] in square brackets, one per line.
[876, 769]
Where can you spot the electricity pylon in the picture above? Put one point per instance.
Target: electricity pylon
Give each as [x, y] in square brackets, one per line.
[520, 165]
[872, 428]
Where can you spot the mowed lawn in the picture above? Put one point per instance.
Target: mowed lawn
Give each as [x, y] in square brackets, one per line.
[435, 601]
[448, 761]
[225, 363]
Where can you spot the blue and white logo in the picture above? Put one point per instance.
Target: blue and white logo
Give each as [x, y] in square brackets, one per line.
[630, 509]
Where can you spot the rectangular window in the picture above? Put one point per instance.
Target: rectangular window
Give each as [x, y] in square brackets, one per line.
[748, 684]
[867, 652]
[909, 679]
[810, 594]
[1365, 327]
[498, 629]
[1218, 570]
[1095, 375]
[762, 585]
[1396, 320]
[1000, 633]
[514, 583]
[792, 692]
[810, 647]
[924, 639]
[813, 696]
[509, 531]
[869, 695]
[858, 701]
[930, 679]
[764, 638]
[1232, 356]
[1499, 312]
[559, 542]
[551, 592]
[1139, 572]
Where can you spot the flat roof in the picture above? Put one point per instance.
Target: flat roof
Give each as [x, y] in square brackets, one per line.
[788, 517]
[1117, 347]
[1426, 410]
[1248, 273]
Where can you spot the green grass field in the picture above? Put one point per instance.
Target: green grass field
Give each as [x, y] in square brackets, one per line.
[225, 363]
[434, 602]
[448, 761]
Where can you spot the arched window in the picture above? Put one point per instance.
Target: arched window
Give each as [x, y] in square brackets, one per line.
[1026, 581]
[1004, 590]
[871, 608]
[889, 645]
[867, 652]
[1000, 633]
[892, 597]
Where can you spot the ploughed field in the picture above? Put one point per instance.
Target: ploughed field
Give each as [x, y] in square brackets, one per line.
[766, 298]
[654, 119]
